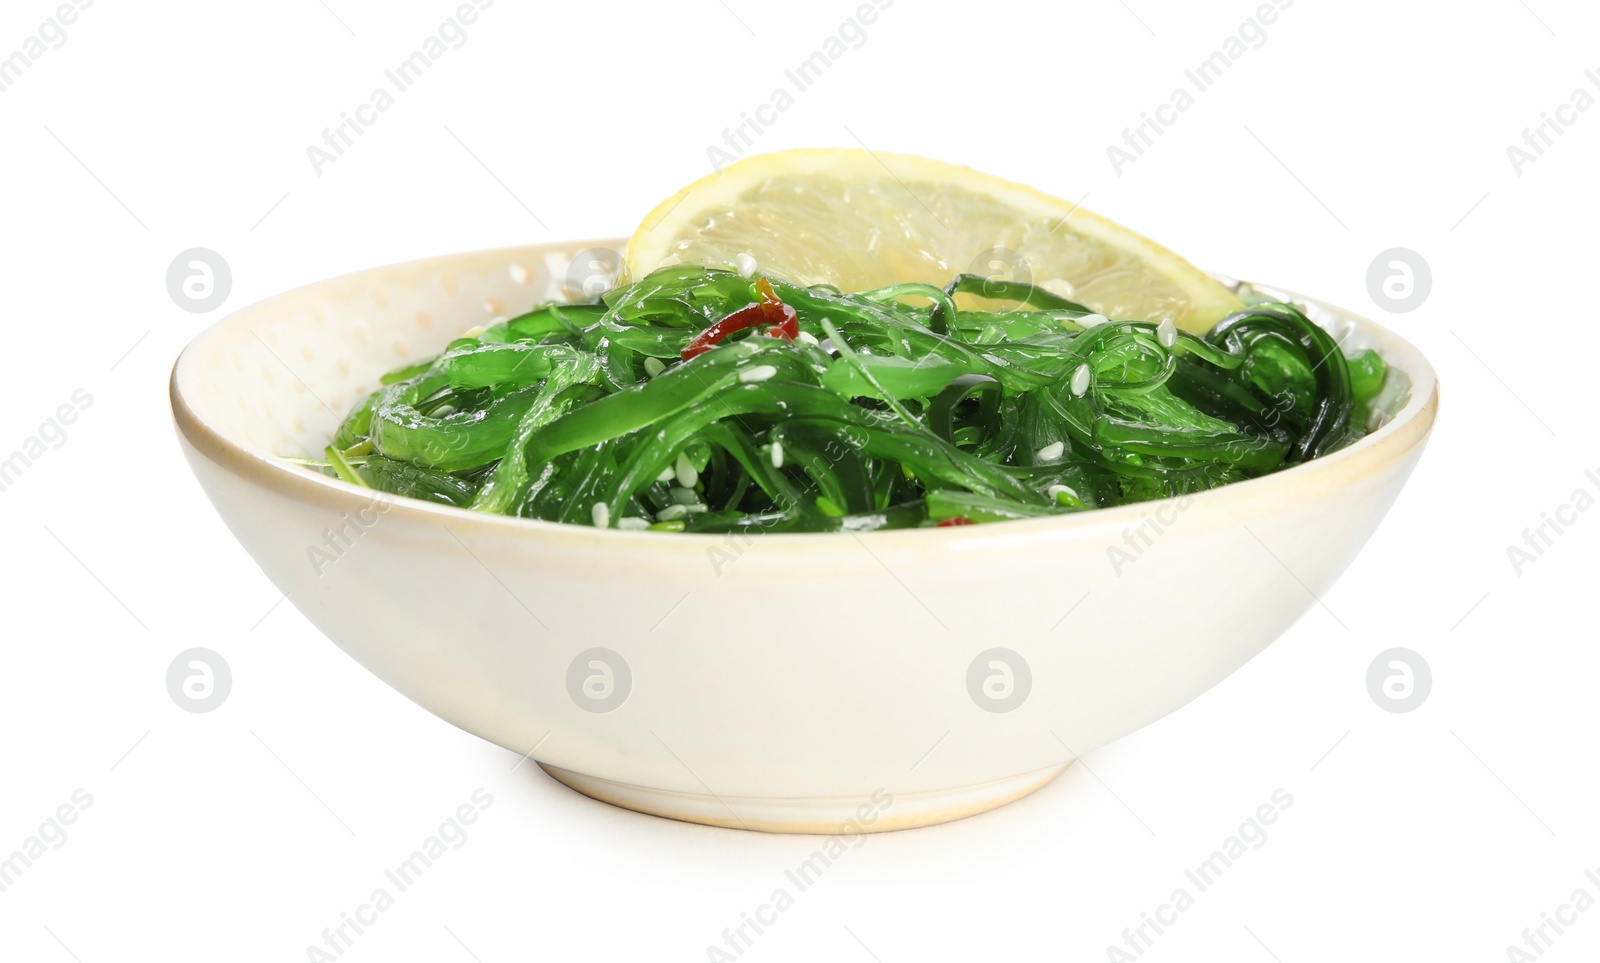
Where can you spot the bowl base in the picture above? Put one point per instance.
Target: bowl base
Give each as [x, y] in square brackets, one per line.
[822, 815]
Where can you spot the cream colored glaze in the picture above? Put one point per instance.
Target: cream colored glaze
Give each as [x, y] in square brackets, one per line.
[809, 671]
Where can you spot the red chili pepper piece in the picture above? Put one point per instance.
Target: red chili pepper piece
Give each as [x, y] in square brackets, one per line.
[787, 327]
[957, 520]
[769, 310]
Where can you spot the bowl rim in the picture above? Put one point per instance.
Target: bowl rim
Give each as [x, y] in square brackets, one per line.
[1408, 428]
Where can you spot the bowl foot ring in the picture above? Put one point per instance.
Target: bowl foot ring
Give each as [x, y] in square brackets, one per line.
[824, 815]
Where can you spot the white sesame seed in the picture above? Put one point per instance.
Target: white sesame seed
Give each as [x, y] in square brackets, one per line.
[1080, 380]
[602, 515]
[1056, 491]
[1167, 333]
[745, 263]
[687, 476]
[668, 475]
[684, 496]
[1090, 320]
[678, 511]
[653, 367]
[473, 331]
[633, 524]
[519, 274]
[757, 374]
[1050, 452]
[777, 454]
[807, 337]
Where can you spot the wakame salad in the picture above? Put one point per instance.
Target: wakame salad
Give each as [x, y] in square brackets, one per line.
[699, 399]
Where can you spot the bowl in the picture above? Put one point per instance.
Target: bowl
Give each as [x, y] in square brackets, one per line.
[815, 683]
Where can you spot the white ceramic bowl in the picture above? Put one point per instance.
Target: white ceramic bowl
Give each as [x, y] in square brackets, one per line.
[801, 683]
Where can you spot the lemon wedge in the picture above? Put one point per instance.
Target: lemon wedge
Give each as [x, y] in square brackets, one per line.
[859, 219]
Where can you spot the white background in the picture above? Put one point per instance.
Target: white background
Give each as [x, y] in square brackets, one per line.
[240, 834]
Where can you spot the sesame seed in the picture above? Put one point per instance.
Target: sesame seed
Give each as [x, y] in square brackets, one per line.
[1051, 451]
[1056, 491]
[757, 374]
[668, 475]
[777, 454]
[519, 274]
[745, 263]
[684, 496]
[602, 515]
[1080, 380]
[1090, 320]
[678, 511]
[807, 337]
[633, 524]
[473, 331]
[1167, 333]
[653, 367]
[687, 476]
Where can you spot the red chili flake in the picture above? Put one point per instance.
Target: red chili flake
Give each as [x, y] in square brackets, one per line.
[957, 520]
[788, 327]
[769, 310]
